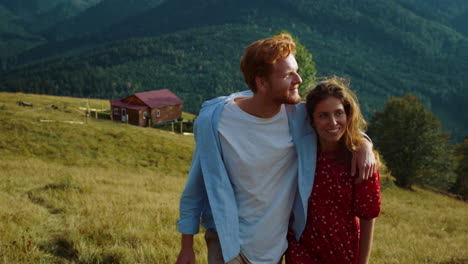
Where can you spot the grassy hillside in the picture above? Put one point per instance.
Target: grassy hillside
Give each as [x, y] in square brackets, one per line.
[106, 192]
[48, 134]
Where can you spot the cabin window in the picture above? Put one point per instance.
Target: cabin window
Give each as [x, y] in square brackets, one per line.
[145, 115]
[158, 113]
[116, 111]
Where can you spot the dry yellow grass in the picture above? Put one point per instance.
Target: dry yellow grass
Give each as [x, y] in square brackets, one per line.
[66, 198]
[57, 214]
[421, 227]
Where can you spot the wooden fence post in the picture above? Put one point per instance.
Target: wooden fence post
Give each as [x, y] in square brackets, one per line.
[87, 110]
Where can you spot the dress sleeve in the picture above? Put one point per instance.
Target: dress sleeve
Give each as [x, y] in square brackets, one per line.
[367, 198]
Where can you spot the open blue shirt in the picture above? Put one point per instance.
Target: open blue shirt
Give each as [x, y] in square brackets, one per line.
[208, 198]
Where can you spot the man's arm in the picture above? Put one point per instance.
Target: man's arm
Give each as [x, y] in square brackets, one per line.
[192, 203]
[191, 206]
[364, 162]
[186, 255]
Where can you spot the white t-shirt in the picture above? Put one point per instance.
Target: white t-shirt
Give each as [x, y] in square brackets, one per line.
[261, 162]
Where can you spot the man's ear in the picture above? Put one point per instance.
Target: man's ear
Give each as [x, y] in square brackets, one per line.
[261, 83]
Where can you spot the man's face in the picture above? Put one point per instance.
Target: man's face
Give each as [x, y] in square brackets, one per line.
[283, 83]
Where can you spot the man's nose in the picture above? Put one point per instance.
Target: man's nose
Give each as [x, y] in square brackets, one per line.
[298, 79]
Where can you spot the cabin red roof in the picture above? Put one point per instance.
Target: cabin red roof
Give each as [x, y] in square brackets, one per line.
[153, 99]
[160, 98]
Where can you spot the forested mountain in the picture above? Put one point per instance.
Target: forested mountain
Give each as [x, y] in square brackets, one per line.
[56, 14]
[13, 35]
[451, 13]
[386, 47]
[29, 10]
[99, 17]
[22, 20]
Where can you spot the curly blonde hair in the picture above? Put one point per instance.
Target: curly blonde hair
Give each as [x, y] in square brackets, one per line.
[259, 57]
[339, 87]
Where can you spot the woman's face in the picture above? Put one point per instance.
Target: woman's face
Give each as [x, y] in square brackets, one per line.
[330, 121]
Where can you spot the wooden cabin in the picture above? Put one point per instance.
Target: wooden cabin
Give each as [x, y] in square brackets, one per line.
[142, 109]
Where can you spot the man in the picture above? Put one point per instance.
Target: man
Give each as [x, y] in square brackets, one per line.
[254, 163]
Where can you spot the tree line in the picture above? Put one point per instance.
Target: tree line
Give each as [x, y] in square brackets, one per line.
[414, 148]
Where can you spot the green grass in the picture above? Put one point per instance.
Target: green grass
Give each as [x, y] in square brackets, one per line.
[64, 214]
[106, 192]
[96, 143]
[421, 227]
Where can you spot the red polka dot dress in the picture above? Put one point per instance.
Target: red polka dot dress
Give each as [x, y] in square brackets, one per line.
[331, 234]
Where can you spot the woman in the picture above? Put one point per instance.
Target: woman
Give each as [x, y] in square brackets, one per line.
[333, 233]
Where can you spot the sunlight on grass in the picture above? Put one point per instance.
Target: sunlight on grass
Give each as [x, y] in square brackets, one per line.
[421, 227]
[107, 192]
[88, 215]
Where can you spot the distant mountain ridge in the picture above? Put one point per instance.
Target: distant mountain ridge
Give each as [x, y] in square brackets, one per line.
[154, 18]
[107, 12]
[45, 12]
[387, 48]
[41, 6]
[22, 20]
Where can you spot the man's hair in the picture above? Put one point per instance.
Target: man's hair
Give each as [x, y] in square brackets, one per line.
[339, 88]
[259, 57]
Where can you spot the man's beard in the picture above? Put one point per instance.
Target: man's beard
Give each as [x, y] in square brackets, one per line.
[288, 99]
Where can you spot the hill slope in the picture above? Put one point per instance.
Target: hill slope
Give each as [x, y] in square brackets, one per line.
[64, 136]
[105, 192]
